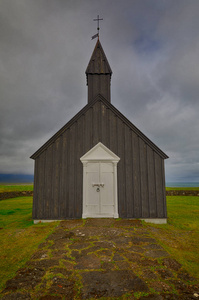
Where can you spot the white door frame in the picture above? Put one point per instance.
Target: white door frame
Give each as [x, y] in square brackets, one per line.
[100, 153]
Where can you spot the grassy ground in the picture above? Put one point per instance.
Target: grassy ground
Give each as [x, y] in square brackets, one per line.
[182, 188]
[15, 188]
[180, 237]
[19, 238]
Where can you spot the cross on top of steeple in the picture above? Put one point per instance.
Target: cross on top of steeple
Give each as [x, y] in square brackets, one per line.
[98, 20]
[98, 28]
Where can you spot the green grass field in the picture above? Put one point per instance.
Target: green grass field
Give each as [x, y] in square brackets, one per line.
[180, 236]
[19, 237]
[15, 188]
[182, 188]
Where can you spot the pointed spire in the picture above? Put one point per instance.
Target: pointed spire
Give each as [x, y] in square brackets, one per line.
[98, 74]
[98, 63]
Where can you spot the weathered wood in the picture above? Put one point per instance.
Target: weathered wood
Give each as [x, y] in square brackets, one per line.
[79, 170]
[36, 191]
[113, 132]
[63, 179]
[88, 129]
[136, 176]
[95, 124]
[56, 157]
[144, 180]
[41, 186]
[108, 127]
[121, 170]
[164, 189]
[159, 187]
[72, 171]
[151, 183]
[67, 182]
[128, 172]
[59, 172]
[104, 136]
[48, 181]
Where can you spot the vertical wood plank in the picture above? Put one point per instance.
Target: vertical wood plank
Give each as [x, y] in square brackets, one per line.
[64, 175]
[36, 190]
[108, 127]
[121, 170]
[56, 154]
[159, 187]
[67, 183]
[75, 169]
[48, 181]
[136, 176]
[151, 182]
[72, 172]
[61, 178]
[113, 132]
[128, 173]
[40, 202]
[144, 179]
[88, 129]
[104, 124]
[96, 124]
[99, 116]
[164, 189]
[79, 170]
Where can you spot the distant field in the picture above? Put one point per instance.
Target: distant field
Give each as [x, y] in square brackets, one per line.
[182, 188]
[15, 188]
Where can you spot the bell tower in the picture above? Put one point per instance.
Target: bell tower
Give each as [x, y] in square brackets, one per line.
[98, 74]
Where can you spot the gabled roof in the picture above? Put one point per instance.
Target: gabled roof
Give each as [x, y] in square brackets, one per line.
[98, 63]
[83, 111]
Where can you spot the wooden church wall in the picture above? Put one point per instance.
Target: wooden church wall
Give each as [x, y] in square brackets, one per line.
[58, 187]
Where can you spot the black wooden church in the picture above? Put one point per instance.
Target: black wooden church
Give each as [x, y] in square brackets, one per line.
[99, 165]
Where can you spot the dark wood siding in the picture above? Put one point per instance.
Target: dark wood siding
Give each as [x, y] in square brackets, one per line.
[59, 172]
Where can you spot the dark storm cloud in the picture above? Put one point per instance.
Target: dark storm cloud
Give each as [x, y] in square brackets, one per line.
[152, 47]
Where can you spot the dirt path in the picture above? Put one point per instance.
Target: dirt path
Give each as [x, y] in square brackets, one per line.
[101, 258]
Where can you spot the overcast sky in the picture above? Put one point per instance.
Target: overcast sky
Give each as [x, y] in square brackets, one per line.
[152, 47]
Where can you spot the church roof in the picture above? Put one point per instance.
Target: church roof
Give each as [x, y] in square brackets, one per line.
[98, 63]
[115, 111]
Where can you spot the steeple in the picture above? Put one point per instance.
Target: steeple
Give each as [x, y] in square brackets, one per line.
[98, 74]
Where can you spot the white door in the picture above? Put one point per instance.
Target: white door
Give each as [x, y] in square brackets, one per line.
[100, 190]
[100, 183]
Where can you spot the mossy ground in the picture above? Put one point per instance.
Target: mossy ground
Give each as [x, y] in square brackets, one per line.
[82, 247]
[100, 259]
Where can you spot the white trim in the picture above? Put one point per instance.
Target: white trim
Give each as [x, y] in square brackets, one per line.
[116, 215]
[156, 221]
[98, 154]
[45, 221]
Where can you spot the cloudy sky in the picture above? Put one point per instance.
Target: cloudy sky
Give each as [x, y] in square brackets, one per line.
[45, 46]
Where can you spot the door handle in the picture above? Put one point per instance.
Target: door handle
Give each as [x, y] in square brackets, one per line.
[98, 184]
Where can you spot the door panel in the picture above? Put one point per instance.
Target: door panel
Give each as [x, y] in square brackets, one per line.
[107, 196]
[93, 197]
[100, 203]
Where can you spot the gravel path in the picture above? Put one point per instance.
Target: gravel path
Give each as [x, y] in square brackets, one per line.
[101, 259]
